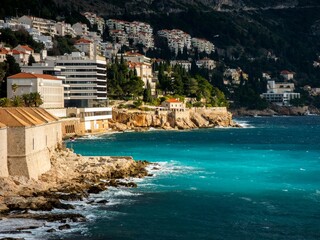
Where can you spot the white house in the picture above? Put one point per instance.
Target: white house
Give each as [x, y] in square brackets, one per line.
[49, 87]
[280, 93]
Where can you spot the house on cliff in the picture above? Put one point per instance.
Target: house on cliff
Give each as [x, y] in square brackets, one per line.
[173, 104]
[26, 141]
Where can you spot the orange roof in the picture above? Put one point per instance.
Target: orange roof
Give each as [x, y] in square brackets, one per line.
[14, 51]
[26, 47]
[2, 125]
[24, 116]
[82, 40]
[286, 72]
[172, 100]
[3, 51]
[24, 75]
[130, 53]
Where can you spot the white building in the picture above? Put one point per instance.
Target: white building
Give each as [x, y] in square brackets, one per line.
[45, 26]
[202, 45]
[143, 67]
[86, 78]
[81, 29]
[86, 46]
[183, 63]
[206, 63]
[177, 39]
[49, 87]
[95, 20]
[280, 93]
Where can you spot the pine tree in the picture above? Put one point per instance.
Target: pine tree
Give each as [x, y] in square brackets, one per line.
[147, 93]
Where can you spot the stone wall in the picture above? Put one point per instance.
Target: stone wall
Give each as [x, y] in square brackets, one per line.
[3, 152]
[28, 148]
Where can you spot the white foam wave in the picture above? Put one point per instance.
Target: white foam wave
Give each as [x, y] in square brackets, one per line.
[244, 124]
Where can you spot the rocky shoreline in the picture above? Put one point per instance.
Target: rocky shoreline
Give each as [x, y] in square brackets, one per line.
[137, 120]
[276, 111]
[71, 178]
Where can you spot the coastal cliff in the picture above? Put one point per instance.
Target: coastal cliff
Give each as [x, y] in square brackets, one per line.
[72, 177]
[123, 120]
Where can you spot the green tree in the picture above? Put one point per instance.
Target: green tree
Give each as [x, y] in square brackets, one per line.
[10, 68]
[17, 101]
[5, 102]
[147, 93]
[35, 99]
[31, 60]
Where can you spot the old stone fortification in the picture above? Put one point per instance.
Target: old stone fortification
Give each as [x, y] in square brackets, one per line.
[190, 118]
[71, 177]
[28, 148]
[3, 152]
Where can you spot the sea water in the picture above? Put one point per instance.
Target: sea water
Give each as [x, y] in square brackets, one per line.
[257, 182]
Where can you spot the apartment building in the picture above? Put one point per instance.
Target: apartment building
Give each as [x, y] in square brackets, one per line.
[86, 78]
[50, 88]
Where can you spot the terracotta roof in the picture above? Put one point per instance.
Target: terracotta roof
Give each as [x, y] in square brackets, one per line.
[129, 53]
[26, 47]
[14, 51]
[24, 75]
[286, 72]
[24, 117]
[2, 125]
[172, 100]
[3, 51]
[82, 40]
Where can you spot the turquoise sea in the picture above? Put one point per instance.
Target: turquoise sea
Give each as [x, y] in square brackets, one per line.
[257, 182]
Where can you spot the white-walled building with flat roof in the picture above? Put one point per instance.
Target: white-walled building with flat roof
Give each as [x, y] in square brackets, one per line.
[280, 93]
[86, 78]
[49, 87]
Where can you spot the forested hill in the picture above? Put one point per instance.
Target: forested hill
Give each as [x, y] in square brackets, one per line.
[249, 34]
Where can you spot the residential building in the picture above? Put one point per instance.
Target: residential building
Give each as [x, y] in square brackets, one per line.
[173, 105]
[183, 63]
[45, 26]
[287, 75]
[92, 120]
[31, 134]
[86, 46]
[177, 39]
[21, 53]
[280, 93]
[95, 20]
[235, 75]
[3, 53]
[65, 29]
[143, 67]
[81, 29]
[49, 87]
[206, 63]
[86, 78]
[202, 45]
[136, 32]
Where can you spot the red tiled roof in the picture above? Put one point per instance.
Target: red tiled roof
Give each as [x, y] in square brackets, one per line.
[32, 75]
[82, 40]
[3, 51]
[172, 100]
[26, 47]
[286, 72]
[14, 51]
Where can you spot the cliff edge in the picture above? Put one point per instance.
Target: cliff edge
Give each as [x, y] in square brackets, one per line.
[138, 120]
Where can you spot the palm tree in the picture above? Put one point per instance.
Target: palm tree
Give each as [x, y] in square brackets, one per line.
[36, 99]
[5, 102]
[17, 101]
